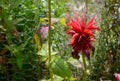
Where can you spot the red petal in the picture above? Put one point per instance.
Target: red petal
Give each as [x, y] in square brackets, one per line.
[94, 28]
[90, 25]
[79, 38]
[89, 32]
[76, 25]
[83, 20]
[78, 21]
[87, 53]
[92, 39]
[70, 31]
[77, 18]
[74, 38]
[91, 20]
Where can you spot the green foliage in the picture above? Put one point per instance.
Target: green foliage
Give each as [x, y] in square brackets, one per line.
[17, 52]
[107, 54]
[58, 8]
[43, 54]
[24, 59]
[19, 19]
[60, 68]
[60, 40]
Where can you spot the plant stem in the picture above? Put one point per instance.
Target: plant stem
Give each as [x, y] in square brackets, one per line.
[49, 32]
[49, 37]
[85, 68]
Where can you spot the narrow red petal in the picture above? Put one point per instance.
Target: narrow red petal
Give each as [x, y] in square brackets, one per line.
[89, 32]
[90, 25]
[74, 38]
[76, 26]
[83, 20]
[91, 20]
[94, 28]
[92, 39]
[79, 38]
[78, 20]
[69, 30]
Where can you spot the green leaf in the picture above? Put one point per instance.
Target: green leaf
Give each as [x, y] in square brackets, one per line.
[8, 47]
[43, 53]
[57, 78]
[20, 62]
[60, 68]
[19, 59]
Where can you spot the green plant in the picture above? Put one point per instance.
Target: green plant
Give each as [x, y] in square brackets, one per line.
[107, 54]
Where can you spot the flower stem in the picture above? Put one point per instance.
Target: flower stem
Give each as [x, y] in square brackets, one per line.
[49, 32]
[49, 38]
[85, 68]
[83, 56]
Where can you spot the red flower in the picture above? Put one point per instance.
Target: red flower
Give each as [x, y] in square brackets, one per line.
[117, 76]
[82, 35]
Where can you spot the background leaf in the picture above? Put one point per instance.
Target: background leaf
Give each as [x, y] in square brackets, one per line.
[60, 68]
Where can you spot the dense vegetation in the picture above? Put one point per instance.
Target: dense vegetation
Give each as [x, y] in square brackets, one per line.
[34, 45]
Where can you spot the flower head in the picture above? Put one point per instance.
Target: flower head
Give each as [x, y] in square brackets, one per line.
[82, 35]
